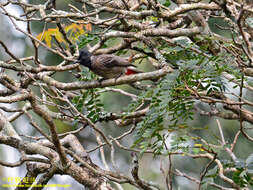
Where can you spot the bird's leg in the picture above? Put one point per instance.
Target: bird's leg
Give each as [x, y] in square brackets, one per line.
[78, 75]
[121, 74]
[101, 80]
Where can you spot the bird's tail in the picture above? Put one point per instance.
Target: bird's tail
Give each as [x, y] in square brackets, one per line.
[132, 70]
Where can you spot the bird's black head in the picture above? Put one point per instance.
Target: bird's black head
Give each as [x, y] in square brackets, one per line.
[84, 58]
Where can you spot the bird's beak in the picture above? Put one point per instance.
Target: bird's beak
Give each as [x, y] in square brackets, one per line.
[77, 61]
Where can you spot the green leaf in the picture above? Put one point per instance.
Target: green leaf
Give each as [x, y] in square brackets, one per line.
[249, 164]
[86, 39]
[249, 160]
[249, 21]
[167, 3]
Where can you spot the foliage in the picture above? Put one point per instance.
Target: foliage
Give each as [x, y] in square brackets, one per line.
[89, 102]
[171, 106]
[191, 106]
[73, 31]
[167, 3]
[86, 39]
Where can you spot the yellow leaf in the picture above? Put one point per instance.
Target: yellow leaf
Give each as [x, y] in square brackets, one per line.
[48, 39]
[73, 27]
[88, 27]
[58, 36]
[39, 36]
[76, 29]
[198, 145]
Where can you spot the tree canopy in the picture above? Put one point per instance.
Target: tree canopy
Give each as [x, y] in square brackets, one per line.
[185, 122]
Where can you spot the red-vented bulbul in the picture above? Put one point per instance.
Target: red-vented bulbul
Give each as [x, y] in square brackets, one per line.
[106, 65]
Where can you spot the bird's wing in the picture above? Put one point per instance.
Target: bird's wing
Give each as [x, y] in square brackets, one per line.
[112, 60]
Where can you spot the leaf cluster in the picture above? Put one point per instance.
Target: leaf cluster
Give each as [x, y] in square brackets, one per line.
[172, 100]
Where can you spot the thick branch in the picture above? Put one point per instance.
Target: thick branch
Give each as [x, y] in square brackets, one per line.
[110, 82]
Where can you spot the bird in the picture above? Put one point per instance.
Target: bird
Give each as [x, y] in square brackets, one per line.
[106, 65]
